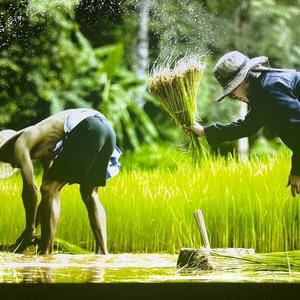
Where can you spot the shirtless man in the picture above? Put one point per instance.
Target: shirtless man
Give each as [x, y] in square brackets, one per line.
[74, 146]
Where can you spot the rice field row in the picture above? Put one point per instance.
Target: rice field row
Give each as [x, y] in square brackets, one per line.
[244, 204]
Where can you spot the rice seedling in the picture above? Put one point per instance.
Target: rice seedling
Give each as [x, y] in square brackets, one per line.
[216, 259]
[245, 205]
[177, 88]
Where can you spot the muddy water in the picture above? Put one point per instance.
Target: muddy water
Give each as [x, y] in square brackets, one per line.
[57, 268]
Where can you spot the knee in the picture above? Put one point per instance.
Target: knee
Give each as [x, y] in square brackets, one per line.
[47, 190]
[86, 193]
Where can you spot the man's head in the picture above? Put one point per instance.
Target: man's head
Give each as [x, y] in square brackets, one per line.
[7, 140]
[232, 71]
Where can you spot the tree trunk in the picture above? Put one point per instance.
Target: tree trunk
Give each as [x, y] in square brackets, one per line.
[242, 19]
[142, 48]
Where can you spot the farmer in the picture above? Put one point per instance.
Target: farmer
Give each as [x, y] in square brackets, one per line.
[273, 96]
[74, 146]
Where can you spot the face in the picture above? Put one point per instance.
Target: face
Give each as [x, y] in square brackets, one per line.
[241, 92]
[7, 156]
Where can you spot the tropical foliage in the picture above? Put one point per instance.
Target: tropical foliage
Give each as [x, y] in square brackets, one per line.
[68, 53]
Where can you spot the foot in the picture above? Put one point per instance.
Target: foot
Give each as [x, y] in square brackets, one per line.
[43, 249]
[21, 245]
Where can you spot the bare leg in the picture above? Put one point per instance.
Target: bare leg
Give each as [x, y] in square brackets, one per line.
[97, 217]
[49, 213]
[38, 217]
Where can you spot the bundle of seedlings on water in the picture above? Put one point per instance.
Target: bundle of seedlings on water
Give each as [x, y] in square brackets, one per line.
[218, 259]
[176, 85]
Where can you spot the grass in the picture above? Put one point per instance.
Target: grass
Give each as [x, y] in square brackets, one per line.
[244, 204]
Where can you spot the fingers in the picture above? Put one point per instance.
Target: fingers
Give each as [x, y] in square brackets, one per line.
[186, 129]
[295, 189]
[294, 182]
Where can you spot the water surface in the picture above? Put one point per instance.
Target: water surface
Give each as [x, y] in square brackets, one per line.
[58, 268]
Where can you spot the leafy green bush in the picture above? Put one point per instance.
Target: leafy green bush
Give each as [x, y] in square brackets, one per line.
[51, 66]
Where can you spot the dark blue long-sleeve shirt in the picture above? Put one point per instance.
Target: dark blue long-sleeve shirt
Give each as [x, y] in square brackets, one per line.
[274, 101]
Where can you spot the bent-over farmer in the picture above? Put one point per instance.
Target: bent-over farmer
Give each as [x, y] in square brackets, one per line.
[273, 96]
[74, 146]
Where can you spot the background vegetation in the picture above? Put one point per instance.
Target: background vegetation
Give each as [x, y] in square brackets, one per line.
[70, 53]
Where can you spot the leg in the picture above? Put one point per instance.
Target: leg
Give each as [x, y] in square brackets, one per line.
[49, 213]
[97, 217]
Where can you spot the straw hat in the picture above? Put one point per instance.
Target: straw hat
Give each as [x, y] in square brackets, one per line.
[6, 137]
[232, 70]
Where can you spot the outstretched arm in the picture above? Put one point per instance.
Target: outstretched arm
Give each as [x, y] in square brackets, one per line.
[29, 193]
[217, 133]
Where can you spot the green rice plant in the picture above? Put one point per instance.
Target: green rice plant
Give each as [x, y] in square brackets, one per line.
[177, 90]
[237, 259]
[273, 262]
[245, 205]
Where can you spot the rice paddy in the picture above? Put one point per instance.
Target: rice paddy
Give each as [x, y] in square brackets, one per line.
[245, 205]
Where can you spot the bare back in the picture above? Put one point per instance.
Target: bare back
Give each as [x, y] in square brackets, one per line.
[40, 139]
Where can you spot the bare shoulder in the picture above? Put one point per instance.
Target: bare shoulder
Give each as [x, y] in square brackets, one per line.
[27, 138]
[33, 135]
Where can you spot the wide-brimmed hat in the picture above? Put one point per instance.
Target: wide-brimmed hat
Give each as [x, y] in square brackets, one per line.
[232, 70]
[7, 137]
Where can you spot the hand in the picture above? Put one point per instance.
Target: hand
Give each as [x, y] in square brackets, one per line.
[196, 128]
[294, 182]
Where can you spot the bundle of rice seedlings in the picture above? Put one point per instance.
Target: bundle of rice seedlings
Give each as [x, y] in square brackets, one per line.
[177, 89]
[218, 259]
[273, 262]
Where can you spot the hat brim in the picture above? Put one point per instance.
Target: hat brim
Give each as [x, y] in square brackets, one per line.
[11, 140]
[241, 76]
[6, 169]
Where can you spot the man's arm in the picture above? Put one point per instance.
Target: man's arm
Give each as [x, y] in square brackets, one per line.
[285, 97]
[30, 191]
[218, 133]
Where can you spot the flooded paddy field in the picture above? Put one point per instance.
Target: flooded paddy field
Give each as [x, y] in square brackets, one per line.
[121, 268]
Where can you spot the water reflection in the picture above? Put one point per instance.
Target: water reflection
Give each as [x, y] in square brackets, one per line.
[19, 268]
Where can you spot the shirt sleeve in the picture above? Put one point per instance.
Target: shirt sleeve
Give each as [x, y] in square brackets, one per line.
[217, 133]
[295, 162]
[289, 106]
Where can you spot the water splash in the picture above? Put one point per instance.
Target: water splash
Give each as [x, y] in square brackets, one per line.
[182, 25]
[176, 24]
[21, 19]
